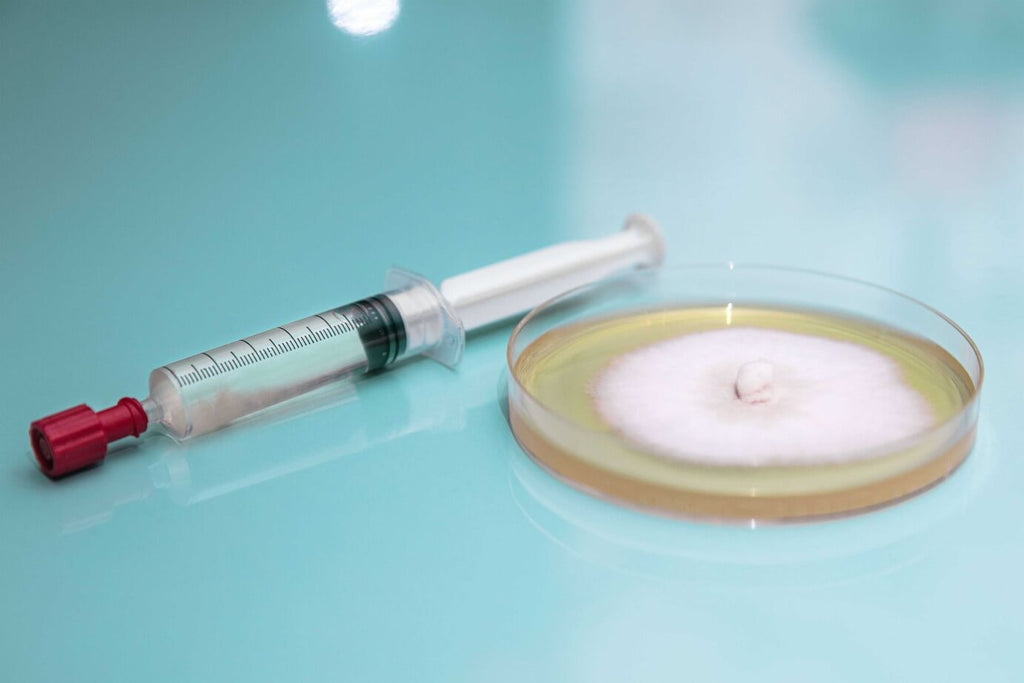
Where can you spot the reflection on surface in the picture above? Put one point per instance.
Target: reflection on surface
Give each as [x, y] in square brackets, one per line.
[426, 399]
[806, 554]
[363, 17]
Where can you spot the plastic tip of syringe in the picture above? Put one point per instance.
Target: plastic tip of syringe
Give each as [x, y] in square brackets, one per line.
[77, 438]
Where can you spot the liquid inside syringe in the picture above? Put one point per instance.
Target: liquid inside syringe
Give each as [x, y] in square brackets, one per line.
[213, 389]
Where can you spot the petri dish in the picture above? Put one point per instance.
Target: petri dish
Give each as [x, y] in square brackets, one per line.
[634, 391]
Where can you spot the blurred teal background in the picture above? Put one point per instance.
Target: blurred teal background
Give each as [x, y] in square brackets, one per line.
[176, 175]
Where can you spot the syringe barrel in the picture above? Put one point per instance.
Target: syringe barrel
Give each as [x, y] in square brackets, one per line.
[213, 389]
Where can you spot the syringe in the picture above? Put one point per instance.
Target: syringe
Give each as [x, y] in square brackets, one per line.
[216, 388]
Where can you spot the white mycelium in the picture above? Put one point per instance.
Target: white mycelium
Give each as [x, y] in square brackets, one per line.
[753, 396]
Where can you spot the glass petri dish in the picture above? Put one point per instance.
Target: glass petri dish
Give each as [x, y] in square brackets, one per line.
[559, 353]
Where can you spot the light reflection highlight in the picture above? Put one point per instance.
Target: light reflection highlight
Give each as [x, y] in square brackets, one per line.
[363, 17]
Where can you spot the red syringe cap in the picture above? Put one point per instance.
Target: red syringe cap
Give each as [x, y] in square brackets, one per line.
[76, 438]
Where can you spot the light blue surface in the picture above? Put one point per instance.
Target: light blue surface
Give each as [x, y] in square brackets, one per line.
[176, 175]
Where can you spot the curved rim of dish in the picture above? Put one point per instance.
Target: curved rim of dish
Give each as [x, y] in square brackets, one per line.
[730, 266]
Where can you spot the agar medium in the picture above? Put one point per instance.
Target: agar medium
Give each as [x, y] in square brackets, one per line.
[744, 393]
[297, 361]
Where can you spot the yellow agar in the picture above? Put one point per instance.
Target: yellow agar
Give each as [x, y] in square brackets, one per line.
[553, 416]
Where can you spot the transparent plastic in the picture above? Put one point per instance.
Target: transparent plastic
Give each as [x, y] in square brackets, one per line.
[594, 457]
[432, 327]
[304, 359]
[211, 390]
